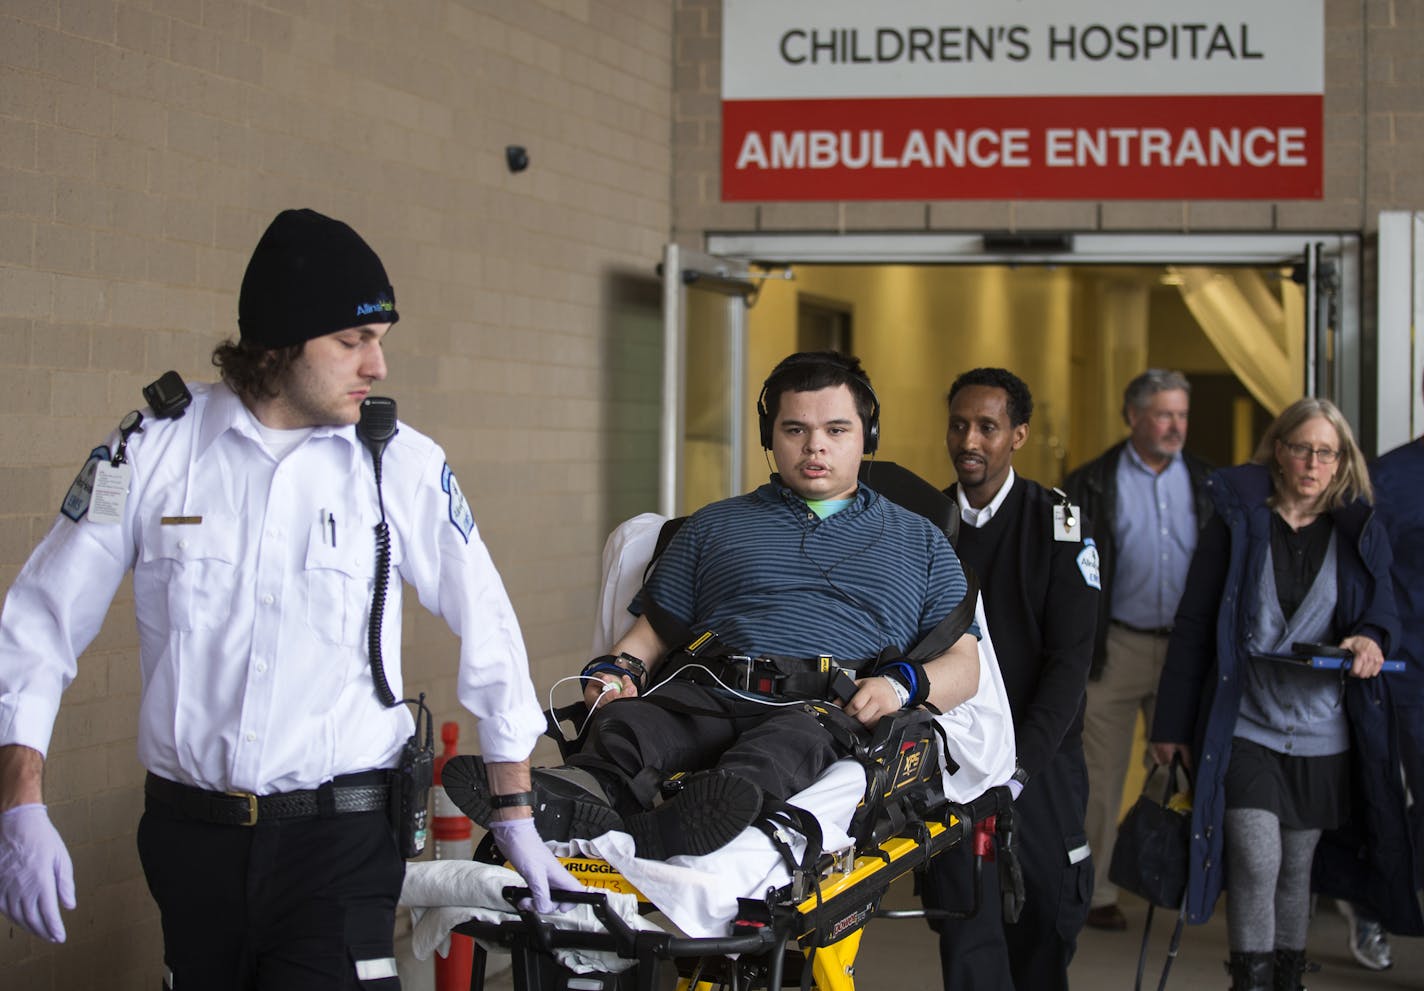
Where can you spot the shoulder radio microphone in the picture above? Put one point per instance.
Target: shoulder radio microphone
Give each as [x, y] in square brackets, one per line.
[377, 425]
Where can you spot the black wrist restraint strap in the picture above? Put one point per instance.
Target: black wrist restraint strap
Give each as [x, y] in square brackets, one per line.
[911, 676]
[622, 665]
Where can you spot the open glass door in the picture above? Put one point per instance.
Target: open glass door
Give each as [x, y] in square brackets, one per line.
[704, 398]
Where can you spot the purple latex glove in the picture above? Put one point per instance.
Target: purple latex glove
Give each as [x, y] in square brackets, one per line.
[520, 843]
[36, 875]
[1015, 788]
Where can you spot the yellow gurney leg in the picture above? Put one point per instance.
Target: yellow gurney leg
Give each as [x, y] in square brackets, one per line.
[833, 967]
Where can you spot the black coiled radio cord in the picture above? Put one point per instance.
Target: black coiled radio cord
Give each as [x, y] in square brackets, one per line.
[378, 599]
[376, 428]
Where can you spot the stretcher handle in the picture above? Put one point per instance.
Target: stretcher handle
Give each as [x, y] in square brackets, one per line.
[626, 939]
[546, 934]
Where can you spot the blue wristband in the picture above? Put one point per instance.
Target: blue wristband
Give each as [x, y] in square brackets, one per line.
[911, 676]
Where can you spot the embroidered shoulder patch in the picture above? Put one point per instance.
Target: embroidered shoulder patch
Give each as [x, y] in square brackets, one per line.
[81, 491]
[460, 514]
[1088, 564]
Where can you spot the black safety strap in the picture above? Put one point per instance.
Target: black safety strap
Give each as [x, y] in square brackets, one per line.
[665, 534]
[777, 816]
[950, 764]
[952, 627]
[668, 627]
[774, 678]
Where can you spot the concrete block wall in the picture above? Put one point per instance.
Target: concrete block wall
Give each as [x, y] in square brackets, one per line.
[144, 146]
[1374, 139]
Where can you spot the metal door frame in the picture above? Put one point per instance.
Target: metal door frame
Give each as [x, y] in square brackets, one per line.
[682, 269]
[1343, 249]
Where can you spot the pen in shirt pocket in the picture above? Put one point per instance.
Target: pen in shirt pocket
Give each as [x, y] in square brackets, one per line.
[327, 522]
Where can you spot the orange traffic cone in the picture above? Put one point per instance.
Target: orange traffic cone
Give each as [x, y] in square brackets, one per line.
[453, 841]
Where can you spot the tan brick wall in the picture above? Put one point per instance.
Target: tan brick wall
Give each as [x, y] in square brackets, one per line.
[145, 145]
[1374, 140]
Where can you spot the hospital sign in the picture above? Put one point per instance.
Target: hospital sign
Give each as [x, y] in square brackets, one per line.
[1028, 99]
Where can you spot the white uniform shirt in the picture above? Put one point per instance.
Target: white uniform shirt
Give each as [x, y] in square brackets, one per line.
[252, 587]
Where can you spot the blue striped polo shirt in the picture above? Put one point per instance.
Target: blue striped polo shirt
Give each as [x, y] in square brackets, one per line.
[769, 577]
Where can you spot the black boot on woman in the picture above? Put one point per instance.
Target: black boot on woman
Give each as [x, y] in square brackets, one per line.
[1290, 965]
[1251, 971]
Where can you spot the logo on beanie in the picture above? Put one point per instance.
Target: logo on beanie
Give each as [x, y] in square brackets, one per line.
[381, 304]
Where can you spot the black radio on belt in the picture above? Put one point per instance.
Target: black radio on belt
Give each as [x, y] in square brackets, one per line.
[410, 785]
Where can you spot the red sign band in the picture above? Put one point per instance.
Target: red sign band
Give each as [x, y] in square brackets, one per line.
[1024, 148]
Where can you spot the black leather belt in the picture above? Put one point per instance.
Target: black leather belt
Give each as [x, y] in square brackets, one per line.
[1156, 631]
[368, 791]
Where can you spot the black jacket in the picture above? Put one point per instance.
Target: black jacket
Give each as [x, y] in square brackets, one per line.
[1093, 487]
[1040, 599]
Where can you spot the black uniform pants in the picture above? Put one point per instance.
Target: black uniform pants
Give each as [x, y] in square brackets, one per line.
[285, 905]
[983, 953]
[783, 749]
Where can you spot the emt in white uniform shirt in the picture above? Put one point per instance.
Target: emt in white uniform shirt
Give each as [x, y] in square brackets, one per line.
[249, 524]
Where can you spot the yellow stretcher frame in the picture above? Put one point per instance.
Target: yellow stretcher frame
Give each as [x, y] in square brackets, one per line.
[825, 924]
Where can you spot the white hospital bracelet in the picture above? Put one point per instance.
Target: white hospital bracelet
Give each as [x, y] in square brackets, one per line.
[901, 692]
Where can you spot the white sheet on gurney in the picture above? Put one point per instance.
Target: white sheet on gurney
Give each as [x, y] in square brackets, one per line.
[442, 894]
[699, 894]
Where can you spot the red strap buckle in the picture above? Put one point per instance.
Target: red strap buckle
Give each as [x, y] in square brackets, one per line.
[984, 837]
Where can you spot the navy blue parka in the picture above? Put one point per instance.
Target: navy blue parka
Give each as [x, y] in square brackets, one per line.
[1199, 697]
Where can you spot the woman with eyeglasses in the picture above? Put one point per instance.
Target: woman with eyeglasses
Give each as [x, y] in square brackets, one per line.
[1280, 751]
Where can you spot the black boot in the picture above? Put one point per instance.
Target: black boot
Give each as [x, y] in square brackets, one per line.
[1251, 971]
[1290, 966]
[705, 814]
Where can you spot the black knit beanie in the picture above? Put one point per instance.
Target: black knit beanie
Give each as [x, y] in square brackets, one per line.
[311, 275]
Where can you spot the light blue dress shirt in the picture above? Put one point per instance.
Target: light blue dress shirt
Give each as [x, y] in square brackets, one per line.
[1156, 533]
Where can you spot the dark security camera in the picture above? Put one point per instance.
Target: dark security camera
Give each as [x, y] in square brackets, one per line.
[516, 158]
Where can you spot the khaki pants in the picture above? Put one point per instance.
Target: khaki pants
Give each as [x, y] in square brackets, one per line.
[1128, 686]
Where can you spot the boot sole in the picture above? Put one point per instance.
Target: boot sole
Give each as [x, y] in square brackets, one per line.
[707, 814]
[560, 813]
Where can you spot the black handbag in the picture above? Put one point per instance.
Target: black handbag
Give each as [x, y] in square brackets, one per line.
[1150, 860]
[1150, 856]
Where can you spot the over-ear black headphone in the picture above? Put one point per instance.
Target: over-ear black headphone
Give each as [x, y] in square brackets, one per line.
[848, 366]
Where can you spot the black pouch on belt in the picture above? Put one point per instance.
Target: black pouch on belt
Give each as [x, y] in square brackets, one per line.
[410, 785]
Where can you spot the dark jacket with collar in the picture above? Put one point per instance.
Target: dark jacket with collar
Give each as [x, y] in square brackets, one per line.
[1368, 860]
[1040, 597]
[1093, 487]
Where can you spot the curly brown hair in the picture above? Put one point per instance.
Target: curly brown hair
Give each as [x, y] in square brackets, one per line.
[252, 371]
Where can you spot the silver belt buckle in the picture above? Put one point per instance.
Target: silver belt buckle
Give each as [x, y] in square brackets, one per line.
[744, 661]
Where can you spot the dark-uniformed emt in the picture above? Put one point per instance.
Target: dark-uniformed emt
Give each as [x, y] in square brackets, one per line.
[1038, 570]
[267, 837]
